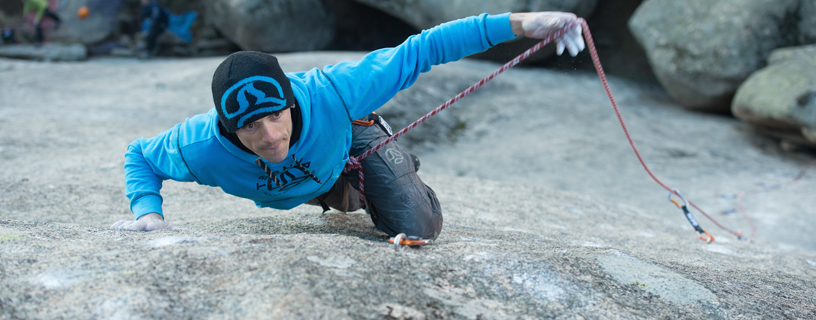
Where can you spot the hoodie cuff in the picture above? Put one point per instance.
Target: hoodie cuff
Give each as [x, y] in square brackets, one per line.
[498, 29]
[146, 204]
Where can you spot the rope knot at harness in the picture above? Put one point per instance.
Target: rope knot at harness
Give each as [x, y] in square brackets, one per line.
[354, 164]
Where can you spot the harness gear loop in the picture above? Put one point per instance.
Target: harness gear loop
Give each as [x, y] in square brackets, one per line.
[363, 123]
[690, 217]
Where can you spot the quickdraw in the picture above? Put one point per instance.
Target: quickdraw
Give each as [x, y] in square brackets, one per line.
[690, 217]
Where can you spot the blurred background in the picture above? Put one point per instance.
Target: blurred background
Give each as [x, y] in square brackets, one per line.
[753, 59]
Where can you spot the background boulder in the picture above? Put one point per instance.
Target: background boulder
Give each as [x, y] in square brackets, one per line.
[273, 26]
[781, 98]
[702, 50]
[101, 23]
[424, 14]
[807, 24]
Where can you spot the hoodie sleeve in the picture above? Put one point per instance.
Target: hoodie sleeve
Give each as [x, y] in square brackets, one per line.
[367, 84]
[147, 163]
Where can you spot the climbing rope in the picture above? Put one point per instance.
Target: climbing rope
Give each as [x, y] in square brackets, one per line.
[741, 196]
[597, 62]
[354, 162]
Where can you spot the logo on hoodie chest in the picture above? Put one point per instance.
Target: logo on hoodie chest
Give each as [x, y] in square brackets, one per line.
[288, 177]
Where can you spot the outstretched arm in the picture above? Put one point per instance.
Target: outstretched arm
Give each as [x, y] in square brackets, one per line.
[367, 84]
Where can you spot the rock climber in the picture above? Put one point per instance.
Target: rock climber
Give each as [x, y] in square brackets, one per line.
[283, 139]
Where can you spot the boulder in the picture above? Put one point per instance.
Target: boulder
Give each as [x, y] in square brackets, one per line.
[702, 50]
[101, 23]
[424, 14]
[45, 52]
[781, 98]
[272, 26]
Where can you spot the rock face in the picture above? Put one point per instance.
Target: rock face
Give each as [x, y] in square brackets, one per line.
[46, 52]
[424, 14]
[781, 98]
[273, 26]
[702, 50]
[508, 250]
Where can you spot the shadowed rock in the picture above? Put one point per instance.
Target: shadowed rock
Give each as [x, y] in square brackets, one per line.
[425, 14]
[273, 26]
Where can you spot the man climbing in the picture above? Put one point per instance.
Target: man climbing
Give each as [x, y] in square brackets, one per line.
[157, 18]
[283, 139]
[40, 9]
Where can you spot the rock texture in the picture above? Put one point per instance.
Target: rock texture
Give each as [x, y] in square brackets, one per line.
[781, 98]
[273, 26]
[702, 50]
[570, 230]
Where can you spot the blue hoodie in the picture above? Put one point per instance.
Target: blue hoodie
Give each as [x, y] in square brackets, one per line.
[329, 100]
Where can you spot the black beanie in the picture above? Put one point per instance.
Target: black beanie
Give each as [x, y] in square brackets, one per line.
[248, 86]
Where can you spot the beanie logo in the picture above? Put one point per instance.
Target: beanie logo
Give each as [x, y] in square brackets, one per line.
[251, 98]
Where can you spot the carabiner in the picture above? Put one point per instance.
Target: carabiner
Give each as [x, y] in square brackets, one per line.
[710, 238]
[402, 240]
[685, 202]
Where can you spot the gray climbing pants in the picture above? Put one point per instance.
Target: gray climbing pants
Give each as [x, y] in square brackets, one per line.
[397, 200]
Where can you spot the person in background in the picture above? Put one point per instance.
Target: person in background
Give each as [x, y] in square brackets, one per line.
[41, 10]
[156, 16]
[8, 36]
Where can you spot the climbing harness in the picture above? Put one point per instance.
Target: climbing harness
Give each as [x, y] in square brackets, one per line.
[354, 162]
[401, 241]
